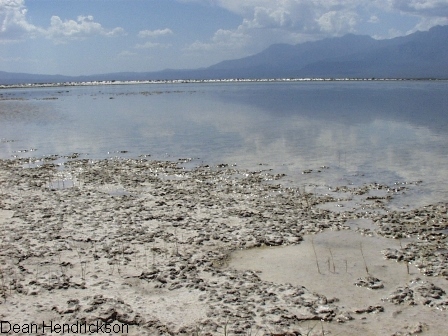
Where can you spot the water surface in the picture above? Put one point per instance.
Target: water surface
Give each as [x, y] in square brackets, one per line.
[385, 132]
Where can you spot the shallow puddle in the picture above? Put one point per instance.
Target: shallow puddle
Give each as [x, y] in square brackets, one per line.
[331, 262]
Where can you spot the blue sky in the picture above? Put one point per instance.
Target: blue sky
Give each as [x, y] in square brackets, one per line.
[75, 37]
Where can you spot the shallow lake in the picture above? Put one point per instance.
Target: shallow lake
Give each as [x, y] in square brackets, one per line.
[361, 132]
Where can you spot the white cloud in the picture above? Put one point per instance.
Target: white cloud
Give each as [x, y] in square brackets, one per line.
[435, 8]
[328, 15]
[265, 22]
[373, 19]
[15, 25]
[426, 23]
[127, 54]
[291, 21]
[430, 13]
[155, 33]
[270, 18]
[394, 33]
[335, 22]
[152, 45]
[82, 28]
[294, 14]
[222, 40]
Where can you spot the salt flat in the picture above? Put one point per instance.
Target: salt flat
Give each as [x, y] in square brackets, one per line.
[166, 250]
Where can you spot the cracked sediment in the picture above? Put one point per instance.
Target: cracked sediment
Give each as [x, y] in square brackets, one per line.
[151, 245]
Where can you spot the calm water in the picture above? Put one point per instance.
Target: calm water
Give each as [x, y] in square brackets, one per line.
[364, 132]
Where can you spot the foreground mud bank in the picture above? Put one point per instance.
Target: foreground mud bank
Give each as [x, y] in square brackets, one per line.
[148, 245]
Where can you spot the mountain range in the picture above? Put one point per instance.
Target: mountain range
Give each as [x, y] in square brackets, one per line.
[417, 55]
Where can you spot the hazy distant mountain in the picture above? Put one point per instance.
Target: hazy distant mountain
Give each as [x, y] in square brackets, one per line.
[286, 60]
[418, 55]
[15, 78]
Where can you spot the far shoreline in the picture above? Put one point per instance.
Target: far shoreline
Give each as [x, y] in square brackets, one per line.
[206, 81]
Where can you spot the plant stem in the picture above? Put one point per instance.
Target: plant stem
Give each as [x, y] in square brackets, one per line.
[363, 258]
[315, 255]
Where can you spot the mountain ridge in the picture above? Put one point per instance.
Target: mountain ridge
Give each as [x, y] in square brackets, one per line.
[417, 55]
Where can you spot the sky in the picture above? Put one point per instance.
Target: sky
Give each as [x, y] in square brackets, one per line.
[81, 37]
